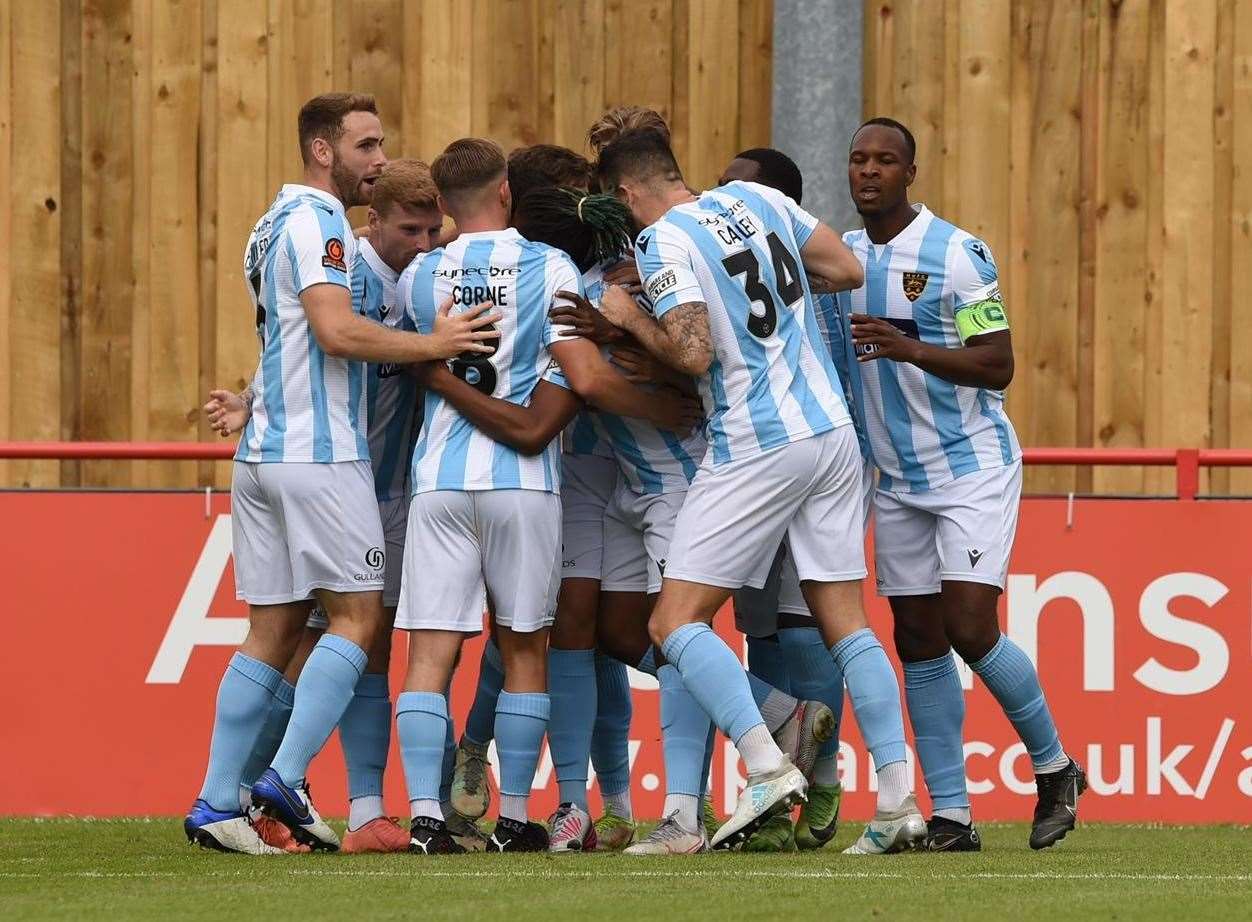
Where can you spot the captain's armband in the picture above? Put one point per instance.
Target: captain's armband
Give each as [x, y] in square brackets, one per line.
[981, 317]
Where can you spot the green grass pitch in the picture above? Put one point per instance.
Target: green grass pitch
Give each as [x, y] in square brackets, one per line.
[143, 869]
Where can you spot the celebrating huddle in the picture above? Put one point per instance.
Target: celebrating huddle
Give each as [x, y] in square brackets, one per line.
[597, 410]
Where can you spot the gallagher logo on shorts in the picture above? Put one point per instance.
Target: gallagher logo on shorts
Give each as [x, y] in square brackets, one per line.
[375, 558]
[334, 255]
[661, 283]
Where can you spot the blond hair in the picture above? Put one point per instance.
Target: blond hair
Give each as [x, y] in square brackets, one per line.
[406, 182]
[606, 129]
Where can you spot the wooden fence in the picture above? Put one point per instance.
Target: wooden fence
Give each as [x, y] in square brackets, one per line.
[141, 139]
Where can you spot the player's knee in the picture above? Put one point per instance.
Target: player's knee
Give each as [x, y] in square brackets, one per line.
[917, 641]
[973, 635]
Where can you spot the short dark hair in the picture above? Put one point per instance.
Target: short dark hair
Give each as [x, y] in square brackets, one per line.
[322, 117]
[545, 165]
[778, 171]
[465, 166]
[643, 154]
[910, 145]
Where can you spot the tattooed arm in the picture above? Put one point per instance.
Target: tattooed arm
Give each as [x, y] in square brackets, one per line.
[681, 339]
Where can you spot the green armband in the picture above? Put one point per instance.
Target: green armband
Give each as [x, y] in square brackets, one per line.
[981, 317]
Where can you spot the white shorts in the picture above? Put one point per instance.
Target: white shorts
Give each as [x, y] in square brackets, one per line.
[586, 485]
[737, 513]
[299, 527]
[459, 541]
[962, 531]
[638, 529]
[394, 514]
[757, 610]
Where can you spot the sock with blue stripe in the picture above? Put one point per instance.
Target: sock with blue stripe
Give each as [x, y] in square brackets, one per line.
[572, 695]
[768, 663]
[521, 721]
[244, 697]
[422, 726]
[876, 703]
[269, 740]
[715, 677]
[815, 677]
[937, 714]
[326, 685]
[365, 734]
[610, 740]
[1012, 679]
[481, 721]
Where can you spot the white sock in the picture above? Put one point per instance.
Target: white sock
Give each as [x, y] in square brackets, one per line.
[962, 815]
[428, 808]
[363, 809]
[826, 771]
[776, 708]
[688, 808]
[893, 786]
[1056, 765]
[513, 807]
[619, 803]
[760, 752]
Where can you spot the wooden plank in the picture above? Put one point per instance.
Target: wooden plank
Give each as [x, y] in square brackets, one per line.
[713, 85]
[881, 66]
[207, 235]
[756, 71]
[447, 93]
[578, 87]
[1218, 479]
[1155, 481]
[301, 65]
[372, 40]
[544, 82]
[137, 473]
[1240, 401]
[6, 227]
[1189, 198]
[1122, 230]
[173, 239]
[505, 108]
[918, 91]
[243, 191]
[680, 92]
[1014, 262]
[1091, 126]
[69, 204]
[634, 78]
[411, 83]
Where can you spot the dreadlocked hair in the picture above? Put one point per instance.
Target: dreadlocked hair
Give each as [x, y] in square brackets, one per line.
[590, 228]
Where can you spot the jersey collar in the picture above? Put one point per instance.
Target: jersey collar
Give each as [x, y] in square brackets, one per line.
[915, 229]
[295, 188]
[509, 233]
[375, 262]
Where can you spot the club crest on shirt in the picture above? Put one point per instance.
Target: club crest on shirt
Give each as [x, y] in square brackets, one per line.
[915, 284]
[334, 255]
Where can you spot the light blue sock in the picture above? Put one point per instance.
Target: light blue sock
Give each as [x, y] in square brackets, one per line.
[714, 675]
[814, 676]
[480, 724]
[1011, 677]
[710, 742]
[937, 713]
[422, 726]
[365, 733]
[572, 695]
[271, 735]
[521, 721]
[768, 663]
[244, 697]
[325, 687]
[684, 734]
[875, 695]
[610, 740]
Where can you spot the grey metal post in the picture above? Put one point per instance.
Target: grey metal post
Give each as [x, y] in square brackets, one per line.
[817, 98]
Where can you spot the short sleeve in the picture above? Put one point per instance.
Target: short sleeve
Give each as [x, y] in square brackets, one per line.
[977, 306]
[664, 260]
[415, 319]
[562, 276]
[320, 253]
[802, 223]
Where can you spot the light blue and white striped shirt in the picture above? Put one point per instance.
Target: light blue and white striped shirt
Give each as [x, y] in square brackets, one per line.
[924, 431]
[831, 322]
[391, 395]
[584, 435]
[737, 250]
[521, 278]
[308, 406]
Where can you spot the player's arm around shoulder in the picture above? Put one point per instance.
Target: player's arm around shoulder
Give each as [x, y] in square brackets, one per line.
[828, 258]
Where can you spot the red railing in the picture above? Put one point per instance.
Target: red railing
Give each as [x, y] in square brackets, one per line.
[1186, 461]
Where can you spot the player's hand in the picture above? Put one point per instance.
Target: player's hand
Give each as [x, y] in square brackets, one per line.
[639, 367]
[227, 412]
[431, 375]
[585, 320]
[619, 308]
[875, 338]
[625, 274]
[468, 331]
[675, 412]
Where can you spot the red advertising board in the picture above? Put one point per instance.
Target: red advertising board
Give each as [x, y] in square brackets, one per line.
[120, 614]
